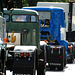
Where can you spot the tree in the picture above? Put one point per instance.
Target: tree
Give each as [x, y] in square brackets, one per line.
[19, 3]
[24, 3]
[32, 2]
[1, 6]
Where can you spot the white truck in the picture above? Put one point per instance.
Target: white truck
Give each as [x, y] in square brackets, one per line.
[65, 6]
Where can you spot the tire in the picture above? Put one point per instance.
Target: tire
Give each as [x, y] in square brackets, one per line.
[13, 73]
[60, 68]
[33, 73]
[51, 68]
[71, 61]
[65, 62]
[41, 69]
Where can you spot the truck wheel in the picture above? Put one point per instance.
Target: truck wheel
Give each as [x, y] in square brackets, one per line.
[41, 69]
[13, 73]
[71, 61]
[51, 68]
[65, 62]
[60, 68]
[33, 73]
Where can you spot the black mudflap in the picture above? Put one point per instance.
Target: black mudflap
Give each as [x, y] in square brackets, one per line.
[41, 68]
[60, 68]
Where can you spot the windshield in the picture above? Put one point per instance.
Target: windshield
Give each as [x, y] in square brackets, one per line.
[44, 15]
[6, 17]
[24, 18]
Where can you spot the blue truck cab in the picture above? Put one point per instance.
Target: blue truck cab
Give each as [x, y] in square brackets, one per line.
[53, 31]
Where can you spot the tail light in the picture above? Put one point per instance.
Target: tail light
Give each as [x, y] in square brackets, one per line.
[60, 56]
[5, 40]
[1, 74]
[69, 48]
[27, 54]
[31, 54]
[22, 54]
[55, 48]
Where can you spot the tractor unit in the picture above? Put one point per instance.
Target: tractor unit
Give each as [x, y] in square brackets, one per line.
[24, 55]
[53, 32]
[69, 9]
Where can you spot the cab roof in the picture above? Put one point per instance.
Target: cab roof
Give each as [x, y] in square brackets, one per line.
[24, 11]
[43, 8]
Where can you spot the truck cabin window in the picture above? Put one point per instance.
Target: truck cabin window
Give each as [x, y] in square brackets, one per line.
[45, 17]
[24, 18]
[6, 17]
[33, 18]
[42, 23]
[47, 23]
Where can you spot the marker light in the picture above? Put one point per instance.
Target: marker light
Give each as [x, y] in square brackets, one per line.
[45, 41]
[22, 54]
[27, 54]
[31, 54]
[5, 40]
[60, 56]
[55, 48]
[0, 73]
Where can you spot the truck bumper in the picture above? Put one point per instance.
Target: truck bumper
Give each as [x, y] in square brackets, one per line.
[23, 70]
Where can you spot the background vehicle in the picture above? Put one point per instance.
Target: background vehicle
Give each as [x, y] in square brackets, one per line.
[24, 53]
[53, 29]
[2, 46]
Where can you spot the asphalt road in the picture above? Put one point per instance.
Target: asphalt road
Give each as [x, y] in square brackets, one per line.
[68, 70]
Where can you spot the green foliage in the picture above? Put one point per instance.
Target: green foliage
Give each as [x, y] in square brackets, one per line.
[52, 0]
[25, 3]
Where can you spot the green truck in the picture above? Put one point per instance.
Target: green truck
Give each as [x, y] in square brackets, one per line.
[24, 55]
